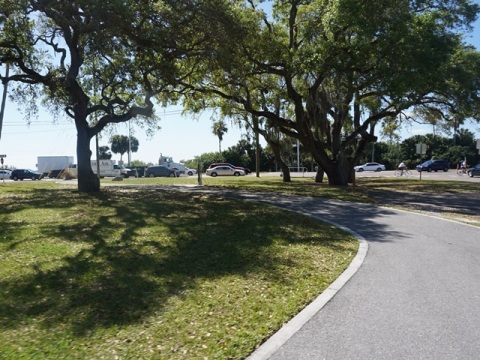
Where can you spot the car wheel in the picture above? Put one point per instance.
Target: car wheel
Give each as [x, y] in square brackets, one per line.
[151, 175]
[214, 174]
[379, 169]
[429, 169]
[34, 178]
[236, 173]
[445, 170]
[190, 173]
[360, 170]
[470, 173]
[15, 178]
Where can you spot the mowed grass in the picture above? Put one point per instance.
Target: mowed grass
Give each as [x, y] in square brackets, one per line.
[299, 185]
[306, 186]
[141, 273]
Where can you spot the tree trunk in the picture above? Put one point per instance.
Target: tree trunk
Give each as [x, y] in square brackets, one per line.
[351, 176]
[337, 175]
[276, 152]
[87, 181]
[319, 175]
[285, 172]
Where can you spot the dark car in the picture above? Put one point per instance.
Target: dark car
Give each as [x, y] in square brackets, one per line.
[21, 174]
[434, 165]
[474, 171]
[160, 170]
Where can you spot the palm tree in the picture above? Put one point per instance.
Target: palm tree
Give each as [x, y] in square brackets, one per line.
[120, 144]
[219, 128]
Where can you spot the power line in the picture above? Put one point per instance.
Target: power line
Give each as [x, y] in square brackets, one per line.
[36, 131]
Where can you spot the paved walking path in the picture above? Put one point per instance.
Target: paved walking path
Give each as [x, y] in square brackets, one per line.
[416, 295]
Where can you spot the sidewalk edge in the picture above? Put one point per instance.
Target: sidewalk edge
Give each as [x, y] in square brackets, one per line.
[269, 347]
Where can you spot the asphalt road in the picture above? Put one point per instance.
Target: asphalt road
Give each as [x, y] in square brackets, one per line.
[439, 175]
[416, 295]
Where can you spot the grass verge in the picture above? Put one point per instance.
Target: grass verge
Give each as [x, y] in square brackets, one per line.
[434, 196]
[142, 273]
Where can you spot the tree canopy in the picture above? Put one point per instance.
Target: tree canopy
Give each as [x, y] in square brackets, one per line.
[104, 153]
[329, 73]
[91, 60]
[219, 128]
[121, 144]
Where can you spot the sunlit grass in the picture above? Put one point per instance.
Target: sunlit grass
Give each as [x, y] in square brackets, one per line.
[299, 185]
[142, 273]
[307, 187]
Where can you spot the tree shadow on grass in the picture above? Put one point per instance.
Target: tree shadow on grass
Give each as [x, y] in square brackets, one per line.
[143, 248]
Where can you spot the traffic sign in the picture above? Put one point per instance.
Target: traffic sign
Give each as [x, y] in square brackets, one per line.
[421, 149]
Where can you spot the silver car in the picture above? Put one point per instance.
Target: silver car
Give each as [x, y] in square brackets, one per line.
[224, 171]
[5, 174]
[372, 166]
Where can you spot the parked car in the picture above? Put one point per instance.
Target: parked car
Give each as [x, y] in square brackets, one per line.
[160, 170]
[474, 171]
[21, 174]
[434, 165]
[247, 171]
[371, 166]
[187, 171]
[5, 174]
[224, 171]
[190, 172]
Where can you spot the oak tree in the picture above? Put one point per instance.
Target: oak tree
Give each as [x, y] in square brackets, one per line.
[330, 72]
[90, 60]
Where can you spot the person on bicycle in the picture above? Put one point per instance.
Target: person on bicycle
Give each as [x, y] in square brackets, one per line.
[402, 167]
[463, 166]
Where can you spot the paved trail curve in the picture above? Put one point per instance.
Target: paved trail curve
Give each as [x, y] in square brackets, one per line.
[416, 295]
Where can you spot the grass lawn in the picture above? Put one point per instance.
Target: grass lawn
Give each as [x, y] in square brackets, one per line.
[141, 273]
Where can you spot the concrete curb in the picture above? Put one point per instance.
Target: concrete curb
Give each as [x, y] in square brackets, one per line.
[269, 347]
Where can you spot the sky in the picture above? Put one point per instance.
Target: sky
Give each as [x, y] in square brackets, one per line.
[181, 137]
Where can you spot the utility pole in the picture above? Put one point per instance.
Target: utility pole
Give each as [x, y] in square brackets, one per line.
[454, 131]
[257, 145]
[4, 97]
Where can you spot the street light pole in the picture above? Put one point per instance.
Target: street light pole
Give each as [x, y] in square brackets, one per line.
[298, 155]
[129, 144]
